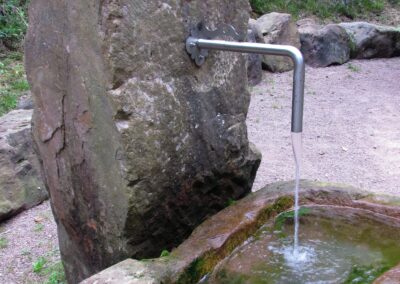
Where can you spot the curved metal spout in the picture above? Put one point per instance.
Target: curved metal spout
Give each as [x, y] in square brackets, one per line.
[198, 49]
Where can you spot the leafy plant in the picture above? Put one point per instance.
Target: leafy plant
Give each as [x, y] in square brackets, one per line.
[165, 253]
[39, 264]
[55, 273]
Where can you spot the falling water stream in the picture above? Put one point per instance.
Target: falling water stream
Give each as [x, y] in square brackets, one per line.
[297, 151]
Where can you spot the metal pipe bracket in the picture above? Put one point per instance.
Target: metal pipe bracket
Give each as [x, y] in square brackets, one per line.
[200, 31]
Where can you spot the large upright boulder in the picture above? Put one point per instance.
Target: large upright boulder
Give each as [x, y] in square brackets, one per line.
[21, 186]
[277, 28]
[372, 41]
[138, 144]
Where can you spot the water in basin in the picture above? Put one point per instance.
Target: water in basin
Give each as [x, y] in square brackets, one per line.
[336, 245]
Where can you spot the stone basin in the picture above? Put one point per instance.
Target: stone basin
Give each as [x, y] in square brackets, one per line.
[216, 238]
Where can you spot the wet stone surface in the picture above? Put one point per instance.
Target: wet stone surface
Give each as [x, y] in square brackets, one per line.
[337, 245]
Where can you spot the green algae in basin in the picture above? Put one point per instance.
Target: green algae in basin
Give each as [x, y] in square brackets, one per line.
[337, 245]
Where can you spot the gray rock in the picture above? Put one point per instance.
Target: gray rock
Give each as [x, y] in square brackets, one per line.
[372, 41]
[26, 102]
[139, 145]
[277, 28]
[324, 46]
[254, 61]
[21, 186]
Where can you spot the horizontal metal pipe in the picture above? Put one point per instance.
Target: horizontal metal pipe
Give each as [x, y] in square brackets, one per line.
[268, 49]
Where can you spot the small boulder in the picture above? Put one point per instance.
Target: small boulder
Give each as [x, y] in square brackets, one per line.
[324, 46]
[254, 61]
[372, 41]
[21, 187]
[277, 28]
[26, 101]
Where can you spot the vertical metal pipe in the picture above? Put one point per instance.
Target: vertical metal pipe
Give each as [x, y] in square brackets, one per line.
[267, 49]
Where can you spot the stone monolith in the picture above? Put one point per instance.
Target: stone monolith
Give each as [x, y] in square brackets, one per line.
[138, 144]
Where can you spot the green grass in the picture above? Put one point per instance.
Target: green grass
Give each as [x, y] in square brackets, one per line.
[54, 273]
[12, 80]
[321, 8]
[165, 253]
[39, 264]
[3, 243]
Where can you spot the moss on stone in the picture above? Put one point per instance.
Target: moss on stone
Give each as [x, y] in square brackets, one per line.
[206, 263]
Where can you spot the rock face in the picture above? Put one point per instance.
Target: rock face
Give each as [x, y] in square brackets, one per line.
[138, 144]
[20, 183]
[324, 46]
[372, 41]
[277, 28]
[254, 61]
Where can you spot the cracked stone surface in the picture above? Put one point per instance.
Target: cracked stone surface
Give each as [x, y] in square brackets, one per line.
[138, 144]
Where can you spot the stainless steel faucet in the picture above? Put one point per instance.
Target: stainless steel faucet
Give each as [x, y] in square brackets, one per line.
[198, 48]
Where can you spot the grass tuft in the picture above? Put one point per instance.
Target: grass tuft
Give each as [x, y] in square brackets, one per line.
[55, 274]
[165, 253]
[39, 264]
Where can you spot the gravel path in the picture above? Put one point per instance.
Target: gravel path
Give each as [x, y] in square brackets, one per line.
[351, 135]
[29, 239]
[351, 125]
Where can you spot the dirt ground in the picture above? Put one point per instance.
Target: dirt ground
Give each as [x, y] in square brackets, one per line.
[351, 135]
[30, 238]
[351, 125]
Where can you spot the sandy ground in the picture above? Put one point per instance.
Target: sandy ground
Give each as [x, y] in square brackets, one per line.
[351, 125]
[351, 135]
